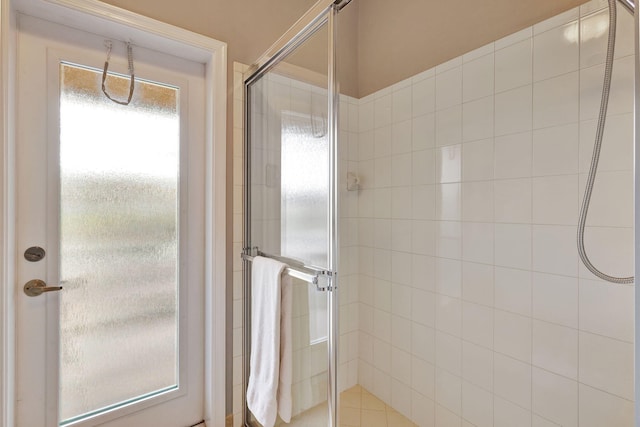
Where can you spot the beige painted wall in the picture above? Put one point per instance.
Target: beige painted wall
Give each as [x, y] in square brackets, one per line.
[402, 38]
[248, 26]
[382, 42]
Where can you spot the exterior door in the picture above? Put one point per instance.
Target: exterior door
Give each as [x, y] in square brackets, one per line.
[110, 207]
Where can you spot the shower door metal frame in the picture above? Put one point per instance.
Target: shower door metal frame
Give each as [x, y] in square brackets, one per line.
[636, 190]
[322, 13]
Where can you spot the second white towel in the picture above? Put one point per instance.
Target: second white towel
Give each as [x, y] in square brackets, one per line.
[270, 371]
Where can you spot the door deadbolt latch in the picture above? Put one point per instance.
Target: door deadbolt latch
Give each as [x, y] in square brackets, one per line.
[36, 287]
[34, 254]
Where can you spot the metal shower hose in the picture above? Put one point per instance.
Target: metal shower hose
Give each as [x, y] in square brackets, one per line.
[604, 103]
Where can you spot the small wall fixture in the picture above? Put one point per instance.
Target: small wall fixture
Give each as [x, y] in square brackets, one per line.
[353, 182]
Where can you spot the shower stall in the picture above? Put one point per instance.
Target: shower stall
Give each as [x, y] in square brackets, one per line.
[428, 216]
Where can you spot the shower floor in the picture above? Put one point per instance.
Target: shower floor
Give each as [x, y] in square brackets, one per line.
[358, 408]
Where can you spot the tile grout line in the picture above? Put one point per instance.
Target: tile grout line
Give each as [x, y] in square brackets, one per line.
[580, 18]
[493, 273]
[532, 46]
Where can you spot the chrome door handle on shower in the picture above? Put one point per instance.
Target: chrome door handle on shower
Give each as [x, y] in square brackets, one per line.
[36, 287]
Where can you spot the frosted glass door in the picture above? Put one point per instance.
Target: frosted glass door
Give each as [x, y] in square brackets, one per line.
[114, 194]
[118, 242]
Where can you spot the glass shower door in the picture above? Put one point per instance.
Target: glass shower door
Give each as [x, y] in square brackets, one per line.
[290, 208]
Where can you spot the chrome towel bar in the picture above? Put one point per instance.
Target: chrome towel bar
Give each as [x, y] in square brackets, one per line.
[298, 270]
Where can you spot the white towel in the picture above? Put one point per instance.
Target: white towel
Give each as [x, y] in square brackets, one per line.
[270, 370]
[286, 350]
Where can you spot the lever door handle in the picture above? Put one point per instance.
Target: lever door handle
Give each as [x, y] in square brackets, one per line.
[36, 287]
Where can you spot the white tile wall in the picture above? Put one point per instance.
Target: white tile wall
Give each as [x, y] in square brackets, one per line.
[512, 380]
[513, 65]
[493, 320]
[465, 302]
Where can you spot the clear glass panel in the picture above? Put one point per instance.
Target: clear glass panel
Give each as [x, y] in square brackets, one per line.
[119, 168]
[289, 205]
[290, 176]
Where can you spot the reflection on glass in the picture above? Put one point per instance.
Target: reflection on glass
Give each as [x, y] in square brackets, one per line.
[305, 187]
[118, 242]
[305, 182]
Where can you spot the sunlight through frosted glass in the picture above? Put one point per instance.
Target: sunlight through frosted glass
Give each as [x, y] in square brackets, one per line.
[118, 243]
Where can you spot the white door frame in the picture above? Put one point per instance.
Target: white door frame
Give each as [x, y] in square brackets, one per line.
[94, 16]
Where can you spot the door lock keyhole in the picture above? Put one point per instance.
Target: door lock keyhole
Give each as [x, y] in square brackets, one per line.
[34, 254]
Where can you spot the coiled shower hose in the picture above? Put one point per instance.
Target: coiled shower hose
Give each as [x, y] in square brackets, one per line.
[604, 103]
